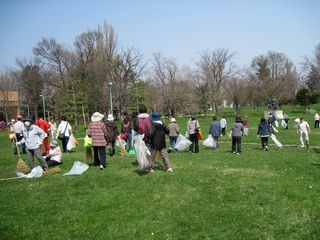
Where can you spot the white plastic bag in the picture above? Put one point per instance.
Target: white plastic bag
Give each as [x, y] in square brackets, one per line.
[209, 141]
[182, 143]
[35, 173]
[122, 143]
[276, 123]
[77, 168]
[283, 124]
[71, 143]
[141, 151]
[187, 135]
[274, 129]
[245, 131]
[276, 141]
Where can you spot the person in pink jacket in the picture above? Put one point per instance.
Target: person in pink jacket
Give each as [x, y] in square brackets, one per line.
[98, 131]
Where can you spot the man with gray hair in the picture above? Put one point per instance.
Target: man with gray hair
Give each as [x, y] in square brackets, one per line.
[18, 128]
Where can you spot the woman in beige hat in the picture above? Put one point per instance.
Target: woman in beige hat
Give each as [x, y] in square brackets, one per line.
[98, 132]
[112, 134]
[173, 135]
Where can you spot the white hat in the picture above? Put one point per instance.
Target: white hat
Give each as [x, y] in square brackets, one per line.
[96, 117]
[173, 120]
[110, 117]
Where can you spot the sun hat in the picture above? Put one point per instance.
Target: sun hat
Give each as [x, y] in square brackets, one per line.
[27, 119]
[110, 117]
[54, 143]
[173, 120]
[156, 116]
[96, 117]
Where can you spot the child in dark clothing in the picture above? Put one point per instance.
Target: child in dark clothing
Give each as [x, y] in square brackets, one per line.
[158, 142]
[112, 134]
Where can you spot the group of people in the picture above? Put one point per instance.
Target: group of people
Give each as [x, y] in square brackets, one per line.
[33, 134]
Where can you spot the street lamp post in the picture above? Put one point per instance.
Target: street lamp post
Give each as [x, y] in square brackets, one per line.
[44, 107]
[28, 110]
[137, 88]
[110, 95]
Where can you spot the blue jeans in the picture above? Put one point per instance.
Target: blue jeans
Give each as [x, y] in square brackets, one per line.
[15, 148]
[173, 140]
[129, 139]
[99, 154]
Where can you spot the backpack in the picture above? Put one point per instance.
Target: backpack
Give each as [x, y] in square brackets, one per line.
[144, 127]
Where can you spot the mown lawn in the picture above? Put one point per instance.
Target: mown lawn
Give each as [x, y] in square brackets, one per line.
[211, 195]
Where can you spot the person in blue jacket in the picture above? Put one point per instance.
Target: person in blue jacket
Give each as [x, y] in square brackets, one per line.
[264, 133]
[215, 130]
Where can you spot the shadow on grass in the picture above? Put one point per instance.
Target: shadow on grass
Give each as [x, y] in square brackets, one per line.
[316, 164]
[316, 149]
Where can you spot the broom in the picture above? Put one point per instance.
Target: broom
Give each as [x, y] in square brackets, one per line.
[52, 171]
[21, 165]
[123, 150]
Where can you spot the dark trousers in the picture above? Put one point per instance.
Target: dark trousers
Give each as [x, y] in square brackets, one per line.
[15, 148]
[287, 122]
[194, 147]
[112, 149]
[65, 141]
[223, 131]
[173, 140]
[99, 154]
[236, 144]
[264, 142]
[51, 163]
[316, 124]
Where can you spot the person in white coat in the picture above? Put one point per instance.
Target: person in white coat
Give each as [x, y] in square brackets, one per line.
[303, 130]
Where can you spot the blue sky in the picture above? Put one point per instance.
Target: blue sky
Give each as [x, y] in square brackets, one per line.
[180, 29]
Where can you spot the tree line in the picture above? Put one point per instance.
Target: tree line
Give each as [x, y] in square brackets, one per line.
[80, 79]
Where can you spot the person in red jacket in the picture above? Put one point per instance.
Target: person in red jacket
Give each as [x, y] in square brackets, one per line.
[44, 125]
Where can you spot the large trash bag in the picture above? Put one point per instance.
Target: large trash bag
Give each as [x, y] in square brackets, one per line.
[141, 151]
[276, 141]
[71, 143]
[209, 142]
[283, 124]
[245, 131]
[182, 143]
[35, 173]
[274, 129]
[77, 168]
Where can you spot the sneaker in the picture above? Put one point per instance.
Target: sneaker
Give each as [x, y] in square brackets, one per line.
[169, 170]
[238, 153]
[267, 148]
[234, 152]
[101, 167]
[151, 170]
[302, 146]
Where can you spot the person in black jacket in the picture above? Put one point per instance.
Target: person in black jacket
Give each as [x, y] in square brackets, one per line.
[158, 142]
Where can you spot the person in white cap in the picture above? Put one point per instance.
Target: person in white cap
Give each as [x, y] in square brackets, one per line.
[98, 132]
[173, 135]
[112, 134]
[304, 131]
[55, 155]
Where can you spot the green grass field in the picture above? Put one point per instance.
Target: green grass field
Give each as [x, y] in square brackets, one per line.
[211, 195]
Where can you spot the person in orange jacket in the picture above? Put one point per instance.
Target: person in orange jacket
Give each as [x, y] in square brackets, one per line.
[44, 125]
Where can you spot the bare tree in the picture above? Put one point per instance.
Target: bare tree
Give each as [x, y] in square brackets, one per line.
[311, 70]
[236, 90]
[273, 76]
[216, 67]
[7, 86]
[127, 67]
[165, 73]
[31, 82]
